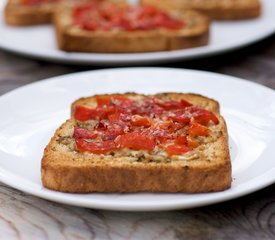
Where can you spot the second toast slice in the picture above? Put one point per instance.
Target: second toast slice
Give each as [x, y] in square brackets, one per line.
[113, 29]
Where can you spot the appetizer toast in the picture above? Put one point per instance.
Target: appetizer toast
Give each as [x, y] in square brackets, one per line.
[111, 28]
[215, 9]
[168, 142]
[34, 12]
[27, 12]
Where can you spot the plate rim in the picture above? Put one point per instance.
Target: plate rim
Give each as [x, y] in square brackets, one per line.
[56, 197]
[135, 58]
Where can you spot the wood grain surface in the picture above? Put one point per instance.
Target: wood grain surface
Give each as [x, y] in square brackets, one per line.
[25, 217]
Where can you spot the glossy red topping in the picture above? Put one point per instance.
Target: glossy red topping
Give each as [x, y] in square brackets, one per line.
[148, 124]
[94, 16]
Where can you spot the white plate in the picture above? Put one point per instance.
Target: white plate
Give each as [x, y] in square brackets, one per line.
[39, 42]
[29, 116]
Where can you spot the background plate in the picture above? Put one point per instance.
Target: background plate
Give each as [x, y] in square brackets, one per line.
[39, 42]
[31, 114]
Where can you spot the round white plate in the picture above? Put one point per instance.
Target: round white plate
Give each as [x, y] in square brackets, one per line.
[30, 115]
[39, 42]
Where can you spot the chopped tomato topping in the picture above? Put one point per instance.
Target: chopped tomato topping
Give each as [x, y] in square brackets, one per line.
[95, 147]
[101, 126]
[203, 116]
[115, 117]
[177, 149]
[165, 125]
[112, 132]
[142, 124]
[102, 100]
[179, 116]
[173, 105]
[197, 129]
[160, 135]
[83, 113]
[108, 99]
[135, 141]
[84, 133]
[138, 120]
[93, 16]
[192, 143]
[181, 140]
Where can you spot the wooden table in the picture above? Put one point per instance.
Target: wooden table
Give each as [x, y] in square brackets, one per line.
[23, 216]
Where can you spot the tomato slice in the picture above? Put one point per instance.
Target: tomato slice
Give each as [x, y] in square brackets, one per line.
[95, 147]
[177, 149]
[84, 133]
[135, 141]
[197, 129]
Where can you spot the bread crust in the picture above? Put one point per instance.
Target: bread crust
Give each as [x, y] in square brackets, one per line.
[18, 14]
[71, 171]
[71, 38]
[215, 9]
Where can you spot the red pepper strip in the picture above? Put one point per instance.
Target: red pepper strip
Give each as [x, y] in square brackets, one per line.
[95, 147]
[135, 141]
[197, 129]
[84, 133]
[177, 149]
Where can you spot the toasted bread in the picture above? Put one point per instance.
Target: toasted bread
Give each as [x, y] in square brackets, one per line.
[206, 168]
[19, 14]
[70, 37]
[215, 9]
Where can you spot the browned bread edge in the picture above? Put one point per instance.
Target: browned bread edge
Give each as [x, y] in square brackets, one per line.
[19, 15]
[229, 11]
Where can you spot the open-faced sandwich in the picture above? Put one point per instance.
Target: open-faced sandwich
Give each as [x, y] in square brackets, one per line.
[34, 12]
[111, 28]
[168, 142]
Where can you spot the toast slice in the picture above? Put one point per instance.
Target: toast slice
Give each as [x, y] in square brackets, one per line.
[193, 32]
[199, 163]
[215, 9]
[35, 12]
[20, 13]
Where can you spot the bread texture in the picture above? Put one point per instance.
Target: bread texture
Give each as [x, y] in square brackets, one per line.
[73, 38]
[215, 9]
[19, 14]
[206, 169]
